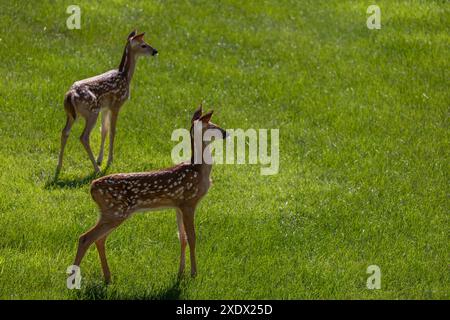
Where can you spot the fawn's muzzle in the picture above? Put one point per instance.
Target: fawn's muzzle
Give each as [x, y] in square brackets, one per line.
[155, 52]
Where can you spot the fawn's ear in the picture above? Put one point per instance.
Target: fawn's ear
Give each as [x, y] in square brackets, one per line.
[197, 113]
[132, 34]
[138, 37]
[207, 116]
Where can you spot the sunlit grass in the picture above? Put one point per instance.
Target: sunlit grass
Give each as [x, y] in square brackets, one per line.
[364, 140]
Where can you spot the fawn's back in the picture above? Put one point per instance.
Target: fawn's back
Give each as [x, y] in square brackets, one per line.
[119, 195]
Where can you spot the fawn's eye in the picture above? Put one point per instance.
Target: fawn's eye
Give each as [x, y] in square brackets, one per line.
[144, 46]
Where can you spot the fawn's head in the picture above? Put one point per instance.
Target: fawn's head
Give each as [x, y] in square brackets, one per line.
[203, 122]
[138, 46]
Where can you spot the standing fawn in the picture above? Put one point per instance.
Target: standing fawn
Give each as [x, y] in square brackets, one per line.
[180, 187]
[106, 92]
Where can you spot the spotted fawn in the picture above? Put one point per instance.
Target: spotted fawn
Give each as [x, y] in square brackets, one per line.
[107, 93]
[181, 187]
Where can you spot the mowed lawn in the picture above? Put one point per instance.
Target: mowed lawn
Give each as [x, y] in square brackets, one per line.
[364, 148]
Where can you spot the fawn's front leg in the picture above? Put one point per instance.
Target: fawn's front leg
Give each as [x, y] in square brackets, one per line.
[183, 241]
[188, 221]
[90, 123]
[112, 134]
[105, 128]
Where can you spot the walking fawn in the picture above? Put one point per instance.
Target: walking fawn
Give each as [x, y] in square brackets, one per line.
[180, 187]
[106, 92]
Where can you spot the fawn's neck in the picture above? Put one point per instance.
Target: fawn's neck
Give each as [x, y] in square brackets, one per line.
[203, 168]
[128, 63]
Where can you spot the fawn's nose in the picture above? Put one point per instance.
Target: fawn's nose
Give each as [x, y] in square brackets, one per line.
[155, 52]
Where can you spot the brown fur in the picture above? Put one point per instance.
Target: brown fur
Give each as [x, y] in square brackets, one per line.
[106, 92]
[118, 196]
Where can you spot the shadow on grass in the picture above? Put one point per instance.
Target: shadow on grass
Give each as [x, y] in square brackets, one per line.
[74, 183]
[101, 291]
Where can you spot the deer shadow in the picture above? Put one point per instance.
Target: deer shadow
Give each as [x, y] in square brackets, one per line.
[72, 183]
[101, 291]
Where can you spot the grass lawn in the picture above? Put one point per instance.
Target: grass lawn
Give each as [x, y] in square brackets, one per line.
[364, 148]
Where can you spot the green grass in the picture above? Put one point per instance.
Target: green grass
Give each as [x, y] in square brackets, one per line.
[364, 148]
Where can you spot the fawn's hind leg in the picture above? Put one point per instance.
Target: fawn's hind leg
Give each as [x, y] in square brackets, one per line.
[90, 123]
[64, 136]
[100, 244]
[100, 230]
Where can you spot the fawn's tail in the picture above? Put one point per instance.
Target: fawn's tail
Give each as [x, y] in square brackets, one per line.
[68, 105]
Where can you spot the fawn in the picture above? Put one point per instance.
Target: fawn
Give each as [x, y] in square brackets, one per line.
[106, 92]
[180, 187]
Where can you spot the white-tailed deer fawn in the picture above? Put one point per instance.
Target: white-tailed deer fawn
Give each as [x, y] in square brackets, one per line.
[180, 187]
[106, 93]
